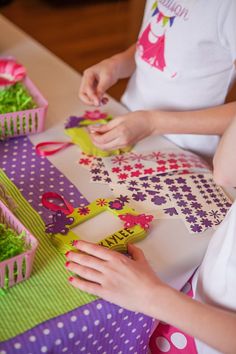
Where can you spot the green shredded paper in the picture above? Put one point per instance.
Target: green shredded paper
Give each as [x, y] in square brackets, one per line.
[15, 98]
[11, 243]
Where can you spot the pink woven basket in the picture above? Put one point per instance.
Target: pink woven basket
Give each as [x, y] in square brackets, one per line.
[18, 268]
[25, 122]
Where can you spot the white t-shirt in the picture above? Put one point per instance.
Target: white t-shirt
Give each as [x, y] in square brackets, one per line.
[215, 281]
[184, 61]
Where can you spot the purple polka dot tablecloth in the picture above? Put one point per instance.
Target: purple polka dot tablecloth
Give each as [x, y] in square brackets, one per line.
[97, 327]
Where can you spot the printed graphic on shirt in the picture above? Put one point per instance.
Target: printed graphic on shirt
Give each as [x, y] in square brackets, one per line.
[151, 43]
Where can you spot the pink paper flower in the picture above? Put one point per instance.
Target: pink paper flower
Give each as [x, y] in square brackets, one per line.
[95, 115]
[11, 72]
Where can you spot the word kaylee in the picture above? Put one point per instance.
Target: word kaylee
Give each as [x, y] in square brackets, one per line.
[115, 238]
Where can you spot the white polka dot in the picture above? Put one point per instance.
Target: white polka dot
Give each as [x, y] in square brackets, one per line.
[122, 335]
[100, 347]
[71, 335]
[64, 350]
[3, 352]
[126, 341]
[106, 335]
[46, 331]
[44, 349]
[60, 325]
[187, 287]
[17, 345]
[117, 329]
[134, 330]
[96, 322]
[77, 342]
[129, 324]
[131, 348]
[84, 328]
[126, 317]
[138, 336]
[57, 342]
[99, 306]
[86, 312]
[95, 342]
[140, 318]
[115, 347]
[90, 335]
[179, 340]
[162, 344]
[82, 349]
[102, 330]
[145, 325]
[120, 310]
[111, 341]
[32, 338]
[113, 323]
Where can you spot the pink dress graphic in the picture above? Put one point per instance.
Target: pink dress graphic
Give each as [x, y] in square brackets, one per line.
[153, 53]
[151, 43]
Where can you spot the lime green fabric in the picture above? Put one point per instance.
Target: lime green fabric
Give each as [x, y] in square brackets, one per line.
[46, 294]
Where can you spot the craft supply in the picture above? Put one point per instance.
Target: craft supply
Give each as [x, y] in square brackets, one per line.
[22, 110]
[15, 98]
[77, 129]
[61, 228]
[10, 71]
[17, 249]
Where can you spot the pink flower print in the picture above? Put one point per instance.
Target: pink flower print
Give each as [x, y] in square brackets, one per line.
[116, 204]
[84, 161]
[95, 115]
[127, 168]
[116, 170]
[174, 166]
[161, 169]
[148, 171]
[138, 165]
[172, 161]
[136, 173]
[161, 162]
[123, 176]
[138, 157]
[120, 159]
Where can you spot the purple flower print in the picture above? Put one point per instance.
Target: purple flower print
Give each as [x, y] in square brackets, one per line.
[108, 180]
[169, 181]
[180, 180]
[191, 219]
[228, 204]
[116, 204]
[206, 222]
[157, 200]
[133, 183]
[155, 179]
[95, 170]
[144, 178]
[223, 210]
[209, 190]
[201, 213]
[150, 192]
[105, 173]
[170, 211]
[219, 205]
[196, 228]
[215, 214]
[158, 187]
[186, 211]
[182, 203]
[96, 178]
[173, 188]
[133, 189]
[207, 185]
[139, 196]
[216, 200]
[73, 122]
[177, 196]
[213, 195]
[145, 185]
[208, 202]
[190, 196]
[196, 205]
[185, 188]
[124, 199]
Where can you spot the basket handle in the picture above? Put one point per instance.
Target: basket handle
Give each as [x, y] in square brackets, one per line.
[7, 198]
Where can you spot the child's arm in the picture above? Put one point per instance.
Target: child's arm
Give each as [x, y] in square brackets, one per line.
[132, 284]
[132, 127]
[100, 77]
[225, 158]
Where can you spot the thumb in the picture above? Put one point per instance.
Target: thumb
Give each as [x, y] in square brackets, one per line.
[104, 128]
[135, 252]
[103, 85]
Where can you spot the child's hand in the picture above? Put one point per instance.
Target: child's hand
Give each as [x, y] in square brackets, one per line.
[127, 282]
[122, 131]
[96, 80]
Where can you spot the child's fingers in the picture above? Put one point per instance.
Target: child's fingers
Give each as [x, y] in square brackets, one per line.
[89, 287]
[111, 145]
[84, 272]
[94, 250]
[135, 252]
[88, 88]
[86, 260]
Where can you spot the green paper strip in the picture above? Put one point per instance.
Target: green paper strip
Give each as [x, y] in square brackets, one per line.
[46, 294]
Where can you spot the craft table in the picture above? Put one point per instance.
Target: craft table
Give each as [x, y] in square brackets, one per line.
[97, 326]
